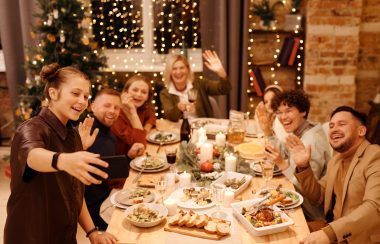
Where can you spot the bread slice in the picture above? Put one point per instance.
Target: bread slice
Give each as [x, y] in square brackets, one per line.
[174, 220]
[192, 220]
[211, 227]
[222, 229]
[184, 219]
[202, 221]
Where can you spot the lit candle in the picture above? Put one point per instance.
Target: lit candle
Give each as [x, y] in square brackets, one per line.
[230, 163]
[220, 139]
[228, 198]
[206, 152]
[171, 205]
[184, 180]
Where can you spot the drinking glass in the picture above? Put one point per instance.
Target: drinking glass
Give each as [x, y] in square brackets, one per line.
[267, 172]
[192, 95]
[218, 196]
[161, 188]
[171, 157]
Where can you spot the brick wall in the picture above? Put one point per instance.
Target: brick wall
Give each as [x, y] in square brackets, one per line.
[332, 47]
[368, 76]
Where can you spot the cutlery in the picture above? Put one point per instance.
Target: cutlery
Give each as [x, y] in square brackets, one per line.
[159, 147]
[114, 205]
[137, 177]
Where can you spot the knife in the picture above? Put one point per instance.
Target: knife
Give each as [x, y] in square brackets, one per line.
[139, 174]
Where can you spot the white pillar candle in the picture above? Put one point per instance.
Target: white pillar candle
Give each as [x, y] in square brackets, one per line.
[171, 205]
[201, 132]
[230, 163]
[220, 139]
[170, 178]
[228, 198]
[206, 152]
[184, 180]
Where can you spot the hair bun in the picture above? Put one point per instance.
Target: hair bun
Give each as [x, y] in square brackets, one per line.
[49, 71]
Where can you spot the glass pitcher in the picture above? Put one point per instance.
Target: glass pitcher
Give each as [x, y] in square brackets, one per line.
[236, 127]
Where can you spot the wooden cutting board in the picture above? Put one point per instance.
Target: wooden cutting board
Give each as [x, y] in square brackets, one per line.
[192, 231]
[148, 181]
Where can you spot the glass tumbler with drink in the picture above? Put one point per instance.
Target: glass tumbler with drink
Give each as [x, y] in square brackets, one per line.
[161, 189]
[218, 196]
[267, 167]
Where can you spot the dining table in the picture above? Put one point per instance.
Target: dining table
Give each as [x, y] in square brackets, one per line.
[125, 232]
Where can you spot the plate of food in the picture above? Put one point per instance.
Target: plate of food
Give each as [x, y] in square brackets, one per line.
[149, 164]
[128, 197]
[256, 167]
[193, 197]
[285, 198]
[163, 137]
[261, 221]
[146, 214]
[234, 181]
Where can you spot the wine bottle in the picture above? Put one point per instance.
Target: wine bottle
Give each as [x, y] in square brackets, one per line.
[185, 128]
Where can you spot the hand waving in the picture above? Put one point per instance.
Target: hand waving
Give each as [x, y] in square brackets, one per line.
[265, 119]
[300, 154]
[213, 62]
[84, 130]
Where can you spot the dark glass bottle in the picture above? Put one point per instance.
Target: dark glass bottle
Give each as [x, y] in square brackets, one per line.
[185, 128]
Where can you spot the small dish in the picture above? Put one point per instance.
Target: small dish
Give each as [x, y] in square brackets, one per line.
[148, 162]
[234, 176]
[156, 212]
[255, 166]
[260, 231]
[124, 198]
[294, 199]
[163, 137]
[179, 195]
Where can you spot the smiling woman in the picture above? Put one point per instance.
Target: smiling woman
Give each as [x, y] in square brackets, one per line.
[49, 168]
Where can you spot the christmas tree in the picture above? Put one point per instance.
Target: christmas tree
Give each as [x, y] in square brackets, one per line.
[61, 36]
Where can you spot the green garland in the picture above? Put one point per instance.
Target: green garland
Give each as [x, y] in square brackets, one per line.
[188, 161]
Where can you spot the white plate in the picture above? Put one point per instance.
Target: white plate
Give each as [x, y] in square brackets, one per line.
[261, 231]
[189, 204]
[237, 176]
[171, 137]
[139, 161]
[162, 211]
[294, 194]
[258, 171]
[121, 198]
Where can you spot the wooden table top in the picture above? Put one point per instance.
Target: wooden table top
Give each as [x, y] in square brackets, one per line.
[127, 233]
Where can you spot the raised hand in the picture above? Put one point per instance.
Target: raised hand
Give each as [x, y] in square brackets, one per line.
[265, 119]
[213, 62]
[84, 130]
[275, 155]
[298, 152]
[126, 104]
[78, 164]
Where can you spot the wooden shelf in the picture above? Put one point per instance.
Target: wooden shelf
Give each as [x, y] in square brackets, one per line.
[284, 32]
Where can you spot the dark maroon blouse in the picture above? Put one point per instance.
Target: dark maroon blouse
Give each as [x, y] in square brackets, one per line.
[43, 207]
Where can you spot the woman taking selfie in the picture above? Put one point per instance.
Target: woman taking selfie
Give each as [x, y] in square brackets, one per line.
[49, 168]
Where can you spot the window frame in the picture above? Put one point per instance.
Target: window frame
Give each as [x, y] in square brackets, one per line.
[146, 59]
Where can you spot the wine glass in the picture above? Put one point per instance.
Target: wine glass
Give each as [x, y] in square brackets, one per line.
[171, 157]
[218, 196]
[161, 188]
[192, 97]
[267, 167]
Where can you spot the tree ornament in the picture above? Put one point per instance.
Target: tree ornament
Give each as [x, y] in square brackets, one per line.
[85, 40]
[51, 37]
[62, 37]
[32, 35]
[50, 20]
[55, 13]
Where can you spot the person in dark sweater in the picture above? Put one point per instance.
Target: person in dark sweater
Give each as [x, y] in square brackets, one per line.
[106, 109]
